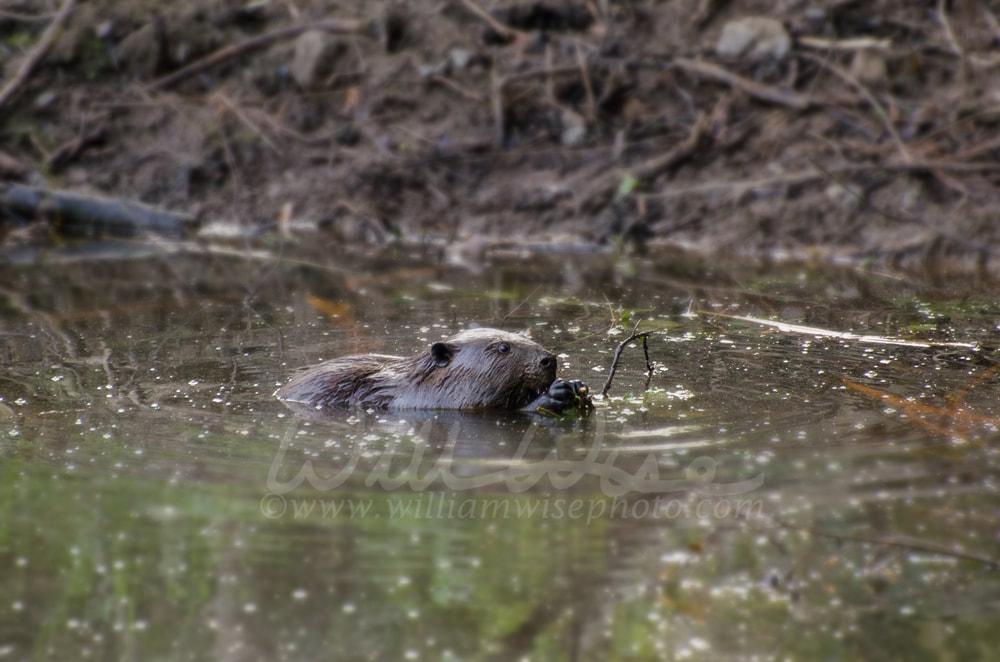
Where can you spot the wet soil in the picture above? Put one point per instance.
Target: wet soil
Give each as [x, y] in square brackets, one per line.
[842, 130]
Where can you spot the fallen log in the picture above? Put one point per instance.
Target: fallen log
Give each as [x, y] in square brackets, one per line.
[77, 214]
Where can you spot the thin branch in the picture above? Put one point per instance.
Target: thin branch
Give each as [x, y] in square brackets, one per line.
[587, 86]
[238, 113]
[540, 73]
[893, 541]
[498, 83]
[606, 182]
[753, 88]
[505, 31]
[24, 18]
[444, 81]
[38, 53]
[496, 101]
[518, 306]
[618, 353]
[235, 50]
[942, 13]
[75, 147]
[650, 366]
[793, 178]
[870, 98]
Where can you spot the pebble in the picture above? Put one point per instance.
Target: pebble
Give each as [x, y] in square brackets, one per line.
[46, 99]
[574, 129]
[140, 52]
[315, 54]
[754, 37]
[869, 67]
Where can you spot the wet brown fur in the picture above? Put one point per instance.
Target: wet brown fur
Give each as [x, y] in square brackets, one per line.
[465, 371]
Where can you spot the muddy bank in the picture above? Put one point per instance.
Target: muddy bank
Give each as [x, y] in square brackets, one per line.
[839, 130]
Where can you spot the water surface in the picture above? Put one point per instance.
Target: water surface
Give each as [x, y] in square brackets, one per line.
[767, 494]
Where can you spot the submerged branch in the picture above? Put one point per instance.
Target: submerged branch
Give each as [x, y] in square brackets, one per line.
[903, 542]
[844, 335]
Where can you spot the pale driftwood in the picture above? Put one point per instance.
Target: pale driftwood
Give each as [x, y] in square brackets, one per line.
[79, 214]
[846, 45]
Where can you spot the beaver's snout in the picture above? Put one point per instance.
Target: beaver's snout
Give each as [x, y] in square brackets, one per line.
[547, 365]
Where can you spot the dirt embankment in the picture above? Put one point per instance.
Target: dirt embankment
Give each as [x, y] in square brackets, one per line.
[840, 129]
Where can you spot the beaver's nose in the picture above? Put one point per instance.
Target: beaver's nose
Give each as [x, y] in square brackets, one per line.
[548, 362]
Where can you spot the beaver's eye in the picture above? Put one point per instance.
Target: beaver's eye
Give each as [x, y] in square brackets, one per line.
[503, 348]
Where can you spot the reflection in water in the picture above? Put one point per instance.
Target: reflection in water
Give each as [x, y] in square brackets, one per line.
[772, 494]
[466, 451]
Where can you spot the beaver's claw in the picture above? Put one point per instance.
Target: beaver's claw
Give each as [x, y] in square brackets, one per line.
[563, 395]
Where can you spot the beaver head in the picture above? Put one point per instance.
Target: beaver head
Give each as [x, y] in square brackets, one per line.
[476, 368]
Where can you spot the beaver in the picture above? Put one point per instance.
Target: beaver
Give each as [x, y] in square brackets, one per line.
[474, 369]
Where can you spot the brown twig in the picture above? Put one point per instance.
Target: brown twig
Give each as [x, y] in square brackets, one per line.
[444, 81]
[498, 83]
[650, 366]
[870, 98]
[24, 18]
[606, 182]
[550, 88]
[753, 88]
[38, 53]
[992, 22]
[739, 186]
[234, 50]
[496, 101]
[518, 306]
[238, 113]
[587, 86]
[505, 31]
[618, 353]
[942, 14]
[540, 73]
[69, 151]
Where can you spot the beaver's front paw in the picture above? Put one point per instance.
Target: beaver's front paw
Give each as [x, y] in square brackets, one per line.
[563, 395]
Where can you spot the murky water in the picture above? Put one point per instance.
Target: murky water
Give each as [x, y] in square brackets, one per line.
[774, 493]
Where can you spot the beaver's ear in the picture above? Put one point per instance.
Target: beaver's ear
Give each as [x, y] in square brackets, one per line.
[442, 353]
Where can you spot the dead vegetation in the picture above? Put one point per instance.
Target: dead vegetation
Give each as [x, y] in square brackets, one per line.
[839, 130]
